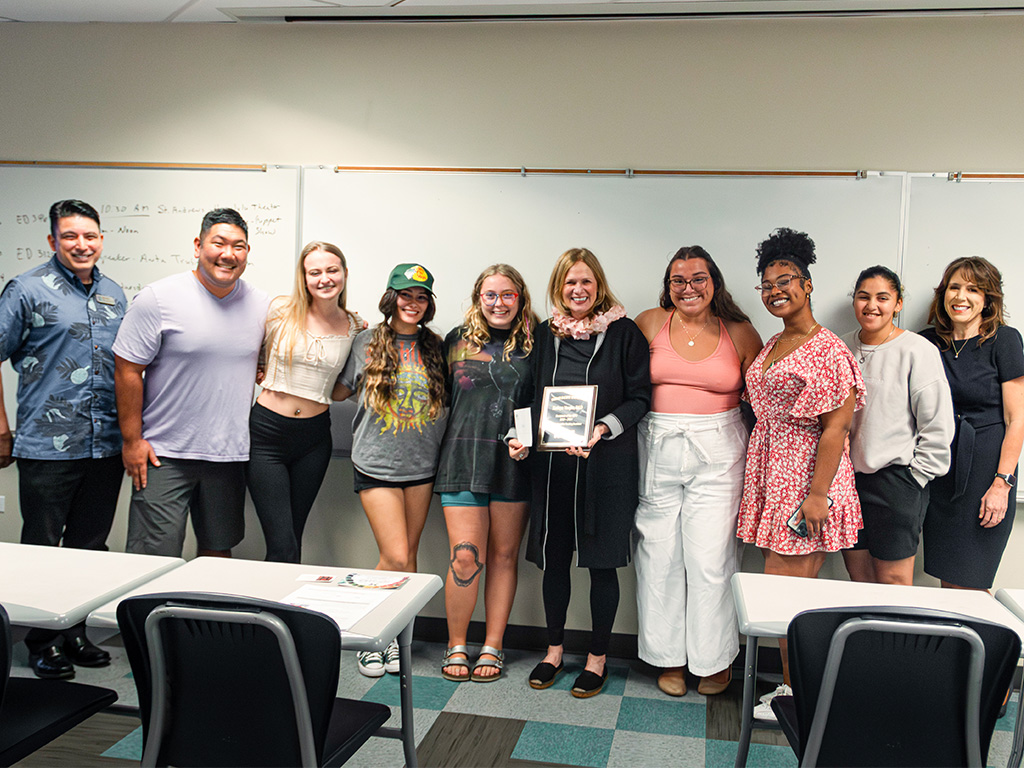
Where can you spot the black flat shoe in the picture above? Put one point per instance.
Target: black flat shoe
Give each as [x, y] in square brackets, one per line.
[80, 651]
[51, 664]
[588, 684]
[544, 674]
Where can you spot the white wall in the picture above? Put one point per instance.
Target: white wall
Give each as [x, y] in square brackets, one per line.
[909, 94]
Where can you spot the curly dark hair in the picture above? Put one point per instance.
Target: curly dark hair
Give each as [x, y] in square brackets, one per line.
[722, 304]
[785, 244]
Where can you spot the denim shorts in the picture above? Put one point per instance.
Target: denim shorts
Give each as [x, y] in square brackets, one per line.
[471, 499]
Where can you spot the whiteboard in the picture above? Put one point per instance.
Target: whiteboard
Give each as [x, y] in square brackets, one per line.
[150, 218]
[458, 223]
[949, 219]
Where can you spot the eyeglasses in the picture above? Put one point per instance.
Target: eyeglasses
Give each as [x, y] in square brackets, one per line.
[782, 284]
[678, 284]
[490, 298]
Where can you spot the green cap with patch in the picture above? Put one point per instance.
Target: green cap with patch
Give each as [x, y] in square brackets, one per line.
[411, 276]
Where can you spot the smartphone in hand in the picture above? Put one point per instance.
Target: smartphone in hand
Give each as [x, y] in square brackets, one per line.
[800, 528]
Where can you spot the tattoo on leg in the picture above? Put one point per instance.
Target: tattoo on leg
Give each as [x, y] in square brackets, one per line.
[466, 546]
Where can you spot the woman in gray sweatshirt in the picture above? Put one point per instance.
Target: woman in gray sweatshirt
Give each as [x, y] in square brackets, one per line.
[900, 440]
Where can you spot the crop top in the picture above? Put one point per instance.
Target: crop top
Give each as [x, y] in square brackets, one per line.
[711, 385]
[314, 365]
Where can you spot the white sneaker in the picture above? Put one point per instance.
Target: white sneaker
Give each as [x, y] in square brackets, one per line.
[371, 663]
[763, 711]
[782, 690]
[391, 663]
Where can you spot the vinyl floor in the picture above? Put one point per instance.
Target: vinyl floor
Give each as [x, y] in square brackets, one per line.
[631, 724]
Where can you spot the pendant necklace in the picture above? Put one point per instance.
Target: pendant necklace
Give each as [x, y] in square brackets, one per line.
[956, 352]
[687, 332]
[862, 356]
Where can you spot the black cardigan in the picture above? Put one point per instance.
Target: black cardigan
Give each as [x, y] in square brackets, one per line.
[620, 369]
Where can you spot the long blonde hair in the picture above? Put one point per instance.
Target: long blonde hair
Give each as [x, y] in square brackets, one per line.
[477, 332]
[604, 300]
[288, 317]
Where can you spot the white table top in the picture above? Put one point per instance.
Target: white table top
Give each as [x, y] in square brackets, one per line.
[765, 604]
[274, 581]
[1013, 599]
[57, 587]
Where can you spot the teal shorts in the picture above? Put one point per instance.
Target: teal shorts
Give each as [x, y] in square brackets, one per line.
[470, 499]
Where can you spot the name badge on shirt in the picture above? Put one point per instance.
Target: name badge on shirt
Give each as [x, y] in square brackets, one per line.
[105, 299]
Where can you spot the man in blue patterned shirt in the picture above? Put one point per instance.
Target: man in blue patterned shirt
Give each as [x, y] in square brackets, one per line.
[57, 325]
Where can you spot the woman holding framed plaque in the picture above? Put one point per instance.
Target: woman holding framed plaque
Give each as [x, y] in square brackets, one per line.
[799, 499]
[484, 493]
[584, 497]
[693, 448]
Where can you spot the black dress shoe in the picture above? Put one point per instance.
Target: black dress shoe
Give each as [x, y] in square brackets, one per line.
[83, 653]
[51, 664]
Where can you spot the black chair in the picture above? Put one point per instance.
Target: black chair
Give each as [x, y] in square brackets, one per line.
[233, 681]
[35, 712]
[879, 686]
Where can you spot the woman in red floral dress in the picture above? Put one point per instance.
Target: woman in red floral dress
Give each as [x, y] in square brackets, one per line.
[804, 387]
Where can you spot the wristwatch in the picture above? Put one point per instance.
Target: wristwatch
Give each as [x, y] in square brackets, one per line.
[1011, 480]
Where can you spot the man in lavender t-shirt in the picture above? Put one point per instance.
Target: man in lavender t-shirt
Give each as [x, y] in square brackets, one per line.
[185, 423]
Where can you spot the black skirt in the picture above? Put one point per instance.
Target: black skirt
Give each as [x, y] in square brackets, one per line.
[956, 547]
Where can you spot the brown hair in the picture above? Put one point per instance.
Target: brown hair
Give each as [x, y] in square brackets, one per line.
[983, 274]
[722, 303]
[382, 359]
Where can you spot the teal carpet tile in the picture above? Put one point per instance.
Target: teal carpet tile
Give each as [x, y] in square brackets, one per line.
[671, 718]
[427, 692]
[564, 744]
[722, 754]
[128, 748]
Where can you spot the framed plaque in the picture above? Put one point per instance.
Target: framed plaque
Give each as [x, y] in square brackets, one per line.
[566, 417]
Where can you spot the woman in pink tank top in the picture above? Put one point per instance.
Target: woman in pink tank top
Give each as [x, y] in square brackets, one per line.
[692, 456]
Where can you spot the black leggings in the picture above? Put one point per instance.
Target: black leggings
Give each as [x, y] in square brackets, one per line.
[288, 459]
[558, 553]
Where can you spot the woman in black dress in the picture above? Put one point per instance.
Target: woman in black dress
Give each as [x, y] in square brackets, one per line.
[970, 513]
[584, 499]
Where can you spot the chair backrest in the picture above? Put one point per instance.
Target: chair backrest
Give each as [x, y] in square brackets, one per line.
[903, 689]
[228, 680]
[5, 651]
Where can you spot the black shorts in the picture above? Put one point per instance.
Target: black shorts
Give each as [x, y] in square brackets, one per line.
[894, 506]
[363, 482]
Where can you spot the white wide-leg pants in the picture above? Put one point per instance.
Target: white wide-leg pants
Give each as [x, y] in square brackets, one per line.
[691, 480]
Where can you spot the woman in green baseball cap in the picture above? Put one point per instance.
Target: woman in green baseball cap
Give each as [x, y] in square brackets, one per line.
[399, 370]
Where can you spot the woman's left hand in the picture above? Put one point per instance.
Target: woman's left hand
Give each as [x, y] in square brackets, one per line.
[994, 503]
[815, 512]
[599, 431]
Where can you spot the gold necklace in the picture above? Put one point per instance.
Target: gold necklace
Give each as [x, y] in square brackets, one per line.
[775, 349]
[687, 331]
[956, 352]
